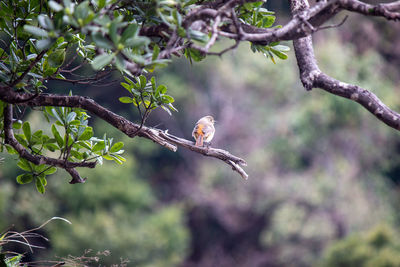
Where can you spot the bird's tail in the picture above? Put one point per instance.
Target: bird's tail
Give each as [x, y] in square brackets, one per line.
[199, 140]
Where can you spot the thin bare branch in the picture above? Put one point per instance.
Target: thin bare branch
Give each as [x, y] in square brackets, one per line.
[388, 11]
[214, 32]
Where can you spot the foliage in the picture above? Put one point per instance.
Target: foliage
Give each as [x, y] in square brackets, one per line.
[51, 40]
[313, 157]
[378, 247]
[74, 143]
[147, 94]
[116, 209]
[314, 161]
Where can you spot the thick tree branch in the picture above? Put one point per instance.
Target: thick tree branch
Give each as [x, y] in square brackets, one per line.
[127, 127]
[317, 15]
[312, 77]
[304, 22]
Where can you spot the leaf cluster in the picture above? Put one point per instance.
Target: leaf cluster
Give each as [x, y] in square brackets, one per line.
[70, 137]
[147, 96]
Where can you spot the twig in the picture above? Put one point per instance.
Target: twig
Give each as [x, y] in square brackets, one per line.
[334, 25]
[214, 32]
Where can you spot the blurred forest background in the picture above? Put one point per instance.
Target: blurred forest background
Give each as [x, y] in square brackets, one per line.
[324, 173]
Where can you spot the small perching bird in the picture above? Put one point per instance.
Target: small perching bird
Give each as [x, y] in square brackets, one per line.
[204, 130]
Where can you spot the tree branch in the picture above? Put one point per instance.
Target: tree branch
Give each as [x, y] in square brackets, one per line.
[312, 77]
[223, 155]
[38, 159]
[127, 127]
[387, 11]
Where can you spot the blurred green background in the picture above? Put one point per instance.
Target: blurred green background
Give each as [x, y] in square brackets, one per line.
[324, 173]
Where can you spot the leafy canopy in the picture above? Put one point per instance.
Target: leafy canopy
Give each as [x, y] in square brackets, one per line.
[43, 41]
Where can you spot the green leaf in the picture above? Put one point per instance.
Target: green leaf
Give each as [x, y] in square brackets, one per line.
[161, 89]
[118, 159]
[102, 60]
[126, 99]
[172, 107]
[117, 147]
[194, 54]
[136, 102]
[24, 165]
[112, 31]
[37, 137]
[102, 3]
[156, 51]
[17, 124]
[57, 136]
[137, 41]
[126, 86]
[11, 150]
[42, 178]
[39, 185]
[21, 138]
[101, 41]
[36, 31]
[177, 17]
[86, 135]
[107, 157]
[268, 21]
[26, 128]
[43, 44]
[25, 178]
[128, 80]
[71, 116]
[76, 154]
[120, 62]
[142, 81]
[279, 54]
[45, 22]
[57, 116]
[99, 146]
[134, 57]
[167, 99]
[198, 36]
[55, 6]
[51, 147]
[85, 144]
[129, 32]
[282, 48]
[51, 170]
[82, 10]
[56, 59]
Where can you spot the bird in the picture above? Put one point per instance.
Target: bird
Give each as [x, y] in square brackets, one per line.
[204, 130]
